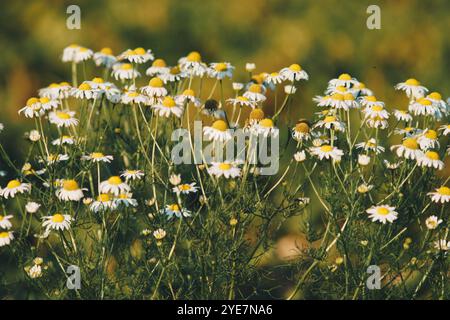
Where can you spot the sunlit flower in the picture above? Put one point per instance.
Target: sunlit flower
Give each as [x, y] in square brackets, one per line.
[185, 188]
[13, 187]
[432, 222]
[57, 221]
[412, 88]
[133, 97]
[382, 213]
[175, 179]
[76, 53]
[428, 139]
[55, 158]
[294, 73]
[114, 185]
[241, 101]
[445, 129]
[363, 160]
[266, 127]
[70, 191]
[158, 66]
[132, 174]
[174, 74]
[370, 145]
[360, 90]
[330, 123]
[193, 64]
[35, 271]
[175, 210]
[402, 115]
[32, 207]
[126, 199]
[32, 108]
[424, 107]
[34, 135]
[63, 118]
[138, 55]
[344, 80]
[4, 222]
[326, 151]
[188, 96]
[430, 159]
[218, 131]
[392, 166]
[369, 101]
[442, 245]
[301, 131]
[300, 156]
[167, 107]
[5, 238]
[63, 140]
[226, 169]
[255, 93]
[364, 188]
[337, 101]
[159, 234]
[377, 122]
[274, 78]
[221, 70]
[250, 66]
[105, 58]
[441, 105]
[442, 195]
[376, 111]
[409, 149]
[103, 202]
[98, 157]
[124, 71]
[155, 88]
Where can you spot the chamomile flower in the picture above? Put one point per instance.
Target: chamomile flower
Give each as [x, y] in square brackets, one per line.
[159, 234]
[124, 71]
[114, 185]
[432, 222]
[328, 152]
[192, 64]
[428, 139]
[442, 245]
[408, 131]
[13, 187]
[300, 156]
[360, 89]
[294, 73]
[436, 99]
[370, 145]
[188, 96]
[364, 188]
[63, 118]
[138, 55]
[76, 53]
[402, 115]
[63, 140]
[55, 158]
[133, 97]
[218, 131]
[32, 108]
[32, 207]
[339, 89]
[132, 174]
[274, 78]
[445, 129]
[241, 101]
[5, 238]
[174, 74]
[112, 93]
[363, 160]
[4, 222]
[255, 116]
[58, 221]
[126, 199]
[225, 169]
[344, 80]
[382, 213]
[301, 131]
[85, 91]
[440, 195]
[376, 111]
[255, 93]
[377, 122]
[185, 188]
[159, 66]
[175, 210]
[409, 149]
[412, 88]
[221, 70]
[103, 202]
[424, 107]
[97, 157]
[168, 107]
[337, 101]
[322, 101]
[105, 58]
[330, 123]
[155, 88]
[70, 191]
[290, 89]
[430, 159]
[350, 100]
[48, 104]
[392, 165]
[369, 101]
[266, 127]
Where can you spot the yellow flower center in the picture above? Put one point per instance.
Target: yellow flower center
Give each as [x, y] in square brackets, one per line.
[184, 187]
[337, 96]
[139, 51]
[63, 115]
[256, 114]
[65, 84]
[174, 207]
[175, 70]
[274, 74]
[425, 102]
[107, 51]
[345, 76]
[98, 80]
[329, 119]
[169, 102]
[302, 127]
[431, 134]
[194, 56]
[259, 78]
[103, 197]
[1, 217]
[221, 67]
[126, 66]
[371, 98]
[410, 143]
[295, 67]
[349, 96]
[156, 82]
[445, 191]
[160, 63]
[383, 211]
[4, 234]
[115, 180]
[255, 88]
[97, 155]
[13, 184]
[189, 92]
[220, 125]
[326, 148]
[53, 85]
[341, 89]
[377, 108]
[432, 155]
[412, 82]
[58, 218]
[44, 100]
[123, 196]
[435, 96]
[224, 166]
[266, 123]
[133, 94]
[70, 185]
[32, 101]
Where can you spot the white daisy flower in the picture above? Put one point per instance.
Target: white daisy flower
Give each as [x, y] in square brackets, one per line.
[430, 159]
[383, 213]
[442, 195]
[364, 188]
[255, 93]
[363, 160]
[192, 64]
[32, 108]
[221, 70]
[428, 139]
[432, 222]
[326, 151]
[300, 156]
[175, 74]
[445, 129]
[13, 187]
[294, 73]
[85, 91]
[369, 101]
[35, 271]
[408, 131]
[274, 78]
[412, 88]
[159, 234]
[155, 88]
[370, 145]
[337, 101]
[124, 71]
[114, 185]
[126, 199]
[132, 174]
[360, 90]
[105, 58]
[175, 210]
[55, 158]
[112, 94]
[219, 131]
[241, 101]
[133, 97]
[344, 80]
[32, 207]
[175, 179]
[57, 221]
[63, 140]
[409, 149]
[226, 169]
[5, 238]
[76, 53]
[339, 89]
[442, 245]
[4, 222]
[159, 66]
[301, 131]
[349, 99]
[188, 96]
[377, 122]
[104, 202]
[376, 111]
[185, 188]
[330, 123]
[167, 107]
[138, 55]
[97, 157]
[392, 166]
[70, 191]
[436, 99]
[424, 107]
[265, 127]
[402, 115]
[48, 104]
[63, 118]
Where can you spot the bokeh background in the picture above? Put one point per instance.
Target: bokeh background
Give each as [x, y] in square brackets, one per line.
[326, 37]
